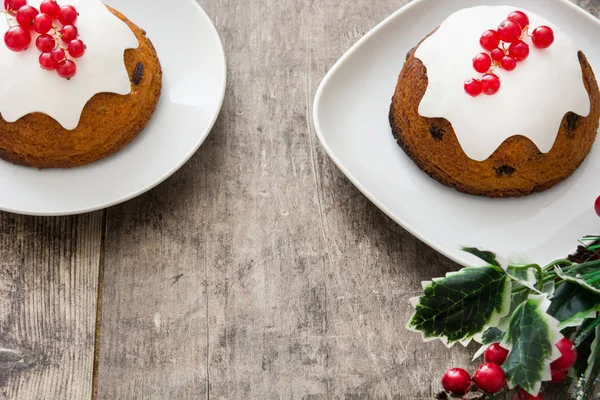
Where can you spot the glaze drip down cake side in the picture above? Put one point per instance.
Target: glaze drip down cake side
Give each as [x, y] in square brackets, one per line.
[82, 88]
[493, 108]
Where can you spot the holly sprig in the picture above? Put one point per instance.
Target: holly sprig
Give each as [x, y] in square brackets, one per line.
[530, 310]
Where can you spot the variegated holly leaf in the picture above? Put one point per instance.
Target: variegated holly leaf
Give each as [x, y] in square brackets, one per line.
[525, 275]
[516, 300]
[571, 304]
[586, 275]
[484, 255]
[461, 305]
[530, 339]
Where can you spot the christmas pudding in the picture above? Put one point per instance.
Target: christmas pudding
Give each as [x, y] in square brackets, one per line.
[79, 82]
[496, 102]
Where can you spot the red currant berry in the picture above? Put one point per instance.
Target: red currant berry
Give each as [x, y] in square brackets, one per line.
[47, 62]
[14, 5]
[50, 7]
[17, 38]
[559, 375]
[482, 62]
[495, 354]
[473, 87]
[490, 378]
[25, 16]
[68, 15]
[76, 48]
[489, 40]
[45, 43]
[568, 355]
[68, 33]
[58, 54]
[508, 63]
[526, 396]
[497, 54]
[519, 17]
[519, 50]
[542, 37]
[42, 23]
[510, 31]
[457, 381]
[490, 84]
[66, 69]
[597, 206]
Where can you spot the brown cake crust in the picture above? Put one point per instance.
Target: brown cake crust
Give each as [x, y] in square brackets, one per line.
[517, 168]
[109, 121]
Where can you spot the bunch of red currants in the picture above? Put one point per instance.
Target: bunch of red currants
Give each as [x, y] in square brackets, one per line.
[490, 378]
[58, 35]
[509, 33]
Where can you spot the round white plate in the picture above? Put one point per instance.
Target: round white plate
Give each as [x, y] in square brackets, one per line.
[194, 77]
[351, 119]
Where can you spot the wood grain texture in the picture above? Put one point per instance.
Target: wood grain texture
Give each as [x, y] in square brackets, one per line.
[48, 289]
[258, 271]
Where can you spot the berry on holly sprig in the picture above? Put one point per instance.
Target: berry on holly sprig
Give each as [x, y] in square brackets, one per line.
[558, 375]
[597, 206]
[53, 42]
[495, 354]
[457, 382]
[568, 355]
[490, 378]
[507, 48]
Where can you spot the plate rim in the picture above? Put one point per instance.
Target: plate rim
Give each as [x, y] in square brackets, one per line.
[467, 260]
[222, 60]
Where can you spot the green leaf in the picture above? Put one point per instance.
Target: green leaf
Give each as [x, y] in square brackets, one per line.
[461, 305]
[587, 328]
[584, 339]
[571, 304]
[516, 300]
[531, 338]
[592, 373]
[486, 256]
[524, 274]
[586, 275]
[492, 335]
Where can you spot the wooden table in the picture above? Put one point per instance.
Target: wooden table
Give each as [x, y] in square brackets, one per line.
[258, 271]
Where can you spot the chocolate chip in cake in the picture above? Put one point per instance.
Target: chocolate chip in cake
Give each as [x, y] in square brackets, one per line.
[138, 73]
[572, 122]
[436, 132]
[504, 170]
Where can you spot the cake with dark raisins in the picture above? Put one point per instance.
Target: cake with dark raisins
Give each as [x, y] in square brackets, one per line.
[489, 126]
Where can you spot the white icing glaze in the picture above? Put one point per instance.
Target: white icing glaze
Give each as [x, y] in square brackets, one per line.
[532, 101]
[26, 88]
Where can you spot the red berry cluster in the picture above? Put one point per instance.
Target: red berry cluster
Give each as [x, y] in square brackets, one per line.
[507, 48]
[490, 378]
[597, 206]
[58, 35]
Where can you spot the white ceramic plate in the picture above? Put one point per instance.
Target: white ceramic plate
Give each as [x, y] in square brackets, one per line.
[350, 114]
[194, 76]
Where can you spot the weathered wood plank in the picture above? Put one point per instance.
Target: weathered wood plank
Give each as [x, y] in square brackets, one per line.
[258, 271]
[154, 329]
[48, 293]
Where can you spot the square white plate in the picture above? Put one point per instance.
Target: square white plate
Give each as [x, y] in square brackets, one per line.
[351, 119]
